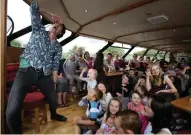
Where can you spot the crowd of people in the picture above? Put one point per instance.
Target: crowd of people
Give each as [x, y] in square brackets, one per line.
[143, 98]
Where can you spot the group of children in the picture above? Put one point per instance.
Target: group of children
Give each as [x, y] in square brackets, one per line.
[108, 115]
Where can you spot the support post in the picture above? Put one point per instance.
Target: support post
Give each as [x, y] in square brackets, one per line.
[145, 52]
[132, 47]
[3, 37]
[68, 39]
[155, 55]
[106, 46]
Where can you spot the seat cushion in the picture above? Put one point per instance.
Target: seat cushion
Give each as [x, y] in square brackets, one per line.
[33, 97]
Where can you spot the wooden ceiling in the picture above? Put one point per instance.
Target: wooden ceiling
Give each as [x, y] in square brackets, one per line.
[125, 21]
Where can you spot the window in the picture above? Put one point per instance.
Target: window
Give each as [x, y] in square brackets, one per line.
[91, 45]
[151, 53]
[137, 50]
[117, 48]
[19, 11]
[23, 40]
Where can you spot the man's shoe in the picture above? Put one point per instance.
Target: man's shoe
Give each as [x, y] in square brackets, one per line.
[58, 117]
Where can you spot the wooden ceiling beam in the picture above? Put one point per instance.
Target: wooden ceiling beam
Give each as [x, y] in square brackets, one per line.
[117, 11]
[170, 44]
[68, 14]
[155, 30]
[173, 37]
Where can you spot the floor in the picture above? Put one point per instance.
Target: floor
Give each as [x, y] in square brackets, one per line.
[55, 127]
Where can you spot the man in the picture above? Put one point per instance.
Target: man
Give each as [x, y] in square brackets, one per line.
[109, 63]
[70, 73]
[134, 63]
[39, 61]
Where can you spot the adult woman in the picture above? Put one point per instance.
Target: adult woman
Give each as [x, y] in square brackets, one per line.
[157, 82]
[88, 60]
[159, 110]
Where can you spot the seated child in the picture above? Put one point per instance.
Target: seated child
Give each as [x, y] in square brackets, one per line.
[128, 122]
[136, 104]
[91, 83]
[93, 112]
[124, 91]
[107, 126]
[106, 95]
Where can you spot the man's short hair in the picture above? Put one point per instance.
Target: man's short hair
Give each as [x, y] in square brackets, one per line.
[130, 120]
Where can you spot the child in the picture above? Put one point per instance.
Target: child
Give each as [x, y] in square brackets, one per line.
[93, 112]
[136, 104]
[106, 95]
[107, 126]
[128, 122]
[91, 83]
[124, 91]
[62, 90]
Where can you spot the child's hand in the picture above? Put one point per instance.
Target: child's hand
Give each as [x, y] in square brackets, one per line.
[76, 120]
[125, 89]
[148, 73]
[118, 94]
[85, 69]
[84, 98]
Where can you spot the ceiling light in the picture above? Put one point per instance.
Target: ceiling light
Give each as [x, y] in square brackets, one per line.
[86, 10]
[174, 30]
[145, 34]
[114, 22]
[157, 19]
[187, 40]
[162, 41]
[131, 30]
[148, 14]
[154, 38]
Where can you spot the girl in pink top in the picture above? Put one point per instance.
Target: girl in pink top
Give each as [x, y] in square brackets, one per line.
[136, 104]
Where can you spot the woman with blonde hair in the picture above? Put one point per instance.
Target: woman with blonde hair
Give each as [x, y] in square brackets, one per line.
[157, 81]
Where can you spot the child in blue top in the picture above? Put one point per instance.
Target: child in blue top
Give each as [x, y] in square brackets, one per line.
[93, 112]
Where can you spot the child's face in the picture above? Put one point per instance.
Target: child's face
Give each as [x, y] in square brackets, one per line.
[131, 73]
[136, 99]
[117, 124]
[114, 107]
[91, 74]
[102, 87]
[125, 80]
[92, 95]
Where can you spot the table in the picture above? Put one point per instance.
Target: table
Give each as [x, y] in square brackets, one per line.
[183, 104]
[114, 73]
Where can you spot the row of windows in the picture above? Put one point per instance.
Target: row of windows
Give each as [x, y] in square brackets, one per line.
[89, 44]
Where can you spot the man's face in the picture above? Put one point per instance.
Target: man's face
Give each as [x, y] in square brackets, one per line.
[135, 57]
[55, 30]
[79, 51]
[109, 57]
